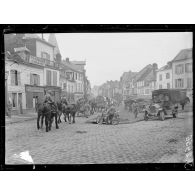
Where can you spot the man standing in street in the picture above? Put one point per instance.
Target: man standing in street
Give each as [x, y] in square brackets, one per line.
[9, 108]
[135, 108]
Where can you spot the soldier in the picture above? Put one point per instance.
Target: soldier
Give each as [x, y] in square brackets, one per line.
[110, 112]
[135, 108]
[49, 98]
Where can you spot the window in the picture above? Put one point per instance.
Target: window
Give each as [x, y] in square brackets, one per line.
[64, 86]
[188, 67]
[45, 55]
[48, 77]
[160, 86]
[189, 82]
[15, 78]
[54, 78]
[167, 75]
[34, 79]
[179, 69]
[147, 91]
[160, 77]
[178, 83]
[168, 86]
[14, 100]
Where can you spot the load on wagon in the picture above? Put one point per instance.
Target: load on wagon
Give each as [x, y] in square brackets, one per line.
[164, 103]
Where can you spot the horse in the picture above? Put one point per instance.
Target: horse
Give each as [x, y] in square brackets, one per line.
[69, 110]
[60, 107]
[47, 111]
[185, 101]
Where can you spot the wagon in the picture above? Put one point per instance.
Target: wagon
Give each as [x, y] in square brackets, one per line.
[164, 103]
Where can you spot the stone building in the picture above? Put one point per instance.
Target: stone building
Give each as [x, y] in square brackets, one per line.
[182, 71]
[32, 70]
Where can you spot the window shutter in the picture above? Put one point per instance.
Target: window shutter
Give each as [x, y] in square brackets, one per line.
[48, 76]
[38, 79]
[31, 79]
[12, 77]
[54, 78]
[19, 78]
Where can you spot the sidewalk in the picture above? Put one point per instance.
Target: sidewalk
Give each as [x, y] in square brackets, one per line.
[20, 118]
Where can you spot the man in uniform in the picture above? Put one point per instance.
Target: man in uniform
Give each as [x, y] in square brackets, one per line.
[135, 108]
[49, 98]
[110, 112]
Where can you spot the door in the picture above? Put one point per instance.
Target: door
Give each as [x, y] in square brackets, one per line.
[20, 103]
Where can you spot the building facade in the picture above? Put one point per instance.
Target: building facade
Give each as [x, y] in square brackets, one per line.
[72, 79]
[182, 71]
[164, 77]
[145, 81]
[32, 71]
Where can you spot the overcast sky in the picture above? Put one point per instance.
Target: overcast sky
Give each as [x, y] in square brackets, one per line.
[108, 55]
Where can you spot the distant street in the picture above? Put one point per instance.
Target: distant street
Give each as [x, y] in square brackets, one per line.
[153, 141]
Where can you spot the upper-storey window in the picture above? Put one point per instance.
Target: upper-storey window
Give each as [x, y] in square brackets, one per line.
[15, 78]
[179, 69]
[188, 67]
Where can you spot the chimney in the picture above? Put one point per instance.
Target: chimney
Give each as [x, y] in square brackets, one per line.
[67, 59]
[155, 66]
[58, 58]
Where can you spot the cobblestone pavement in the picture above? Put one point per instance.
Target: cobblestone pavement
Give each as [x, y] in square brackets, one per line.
[151, 141]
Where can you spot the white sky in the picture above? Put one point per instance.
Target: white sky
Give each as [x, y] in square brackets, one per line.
[108, 55]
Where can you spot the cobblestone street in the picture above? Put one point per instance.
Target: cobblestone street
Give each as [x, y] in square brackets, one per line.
[153, 141]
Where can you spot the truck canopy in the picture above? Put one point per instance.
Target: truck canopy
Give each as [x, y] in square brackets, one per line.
[175, 95]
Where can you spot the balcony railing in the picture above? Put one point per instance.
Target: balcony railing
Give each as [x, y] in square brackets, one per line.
[42, 61]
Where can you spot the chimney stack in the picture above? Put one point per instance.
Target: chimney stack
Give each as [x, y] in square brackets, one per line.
[67, 59]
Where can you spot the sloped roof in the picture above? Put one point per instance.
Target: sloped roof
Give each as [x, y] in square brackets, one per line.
[79, 62]
[166, 67]
[183, 54]
[36, 37]
[71, 66]
[53, 41]
[143, 73]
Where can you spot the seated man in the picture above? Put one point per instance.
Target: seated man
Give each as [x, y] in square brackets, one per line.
[110, 112]
[49, 99]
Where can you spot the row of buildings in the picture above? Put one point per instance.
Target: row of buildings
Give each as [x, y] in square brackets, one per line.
[176, 74]
[34, 65]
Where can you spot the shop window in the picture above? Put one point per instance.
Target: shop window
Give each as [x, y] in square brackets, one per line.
[14, 100]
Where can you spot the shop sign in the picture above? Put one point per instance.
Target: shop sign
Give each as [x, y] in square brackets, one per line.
[34, 89]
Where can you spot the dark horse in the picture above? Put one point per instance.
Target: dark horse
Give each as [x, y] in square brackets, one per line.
[60, 109]
[45, 110]
[69, 110]
[185, 101]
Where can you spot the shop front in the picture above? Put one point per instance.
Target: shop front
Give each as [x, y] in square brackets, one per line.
[34, 94]
[55, 90]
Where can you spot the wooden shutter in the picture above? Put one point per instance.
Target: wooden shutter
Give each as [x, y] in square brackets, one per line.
[31, 79]
[38, 79]
[12, 77]
[19, 78]
[54, 78]
[48, 76]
